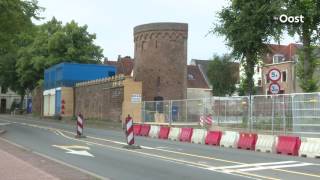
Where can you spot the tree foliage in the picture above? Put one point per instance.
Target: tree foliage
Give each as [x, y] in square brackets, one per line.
[309, 32]
[222, 75]
[26, 50]
[247, 25]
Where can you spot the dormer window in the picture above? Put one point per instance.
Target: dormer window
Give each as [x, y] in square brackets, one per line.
[190, 77]
[278, 58]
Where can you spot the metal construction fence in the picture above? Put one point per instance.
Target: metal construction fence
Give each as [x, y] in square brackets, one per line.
[274, 114]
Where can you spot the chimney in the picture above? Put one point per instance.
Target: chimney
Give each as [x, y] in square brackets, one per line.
[119, 58]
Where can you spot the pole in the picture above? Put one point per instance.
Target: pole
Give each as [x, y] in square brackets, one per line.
[284, 116]
[272, 118]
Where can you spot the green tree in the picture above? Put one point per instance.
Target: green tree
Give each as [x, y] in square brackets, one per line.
[15, 20]
[309, 32]
[222, 76]
[53, 43]
[247, 25]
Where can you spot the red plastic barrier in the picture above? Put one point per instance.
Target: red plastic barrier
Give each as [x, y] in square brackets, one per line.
[145, 128]
[136, 129]
[288, 145]
[247, 141]
[213, 138]
[164, 132]
[186, 134]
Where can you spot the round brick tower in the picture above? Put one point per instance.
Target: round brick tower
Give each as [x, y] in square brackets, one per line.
[160, 56]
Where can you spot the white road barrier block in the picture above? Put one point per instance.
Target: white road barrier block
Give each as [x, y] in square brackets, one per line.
[174, 134]
[154, 131]
[229, 139]
[198, 136]
[310, 147]
[266, 143]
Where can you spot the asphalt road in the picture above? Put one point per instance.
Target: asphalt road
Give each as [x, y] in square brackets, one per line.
[102, 153]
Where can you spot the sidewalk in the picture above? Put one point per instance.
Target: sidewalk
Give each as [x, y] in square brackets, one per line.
[17, 163]
[14, 168]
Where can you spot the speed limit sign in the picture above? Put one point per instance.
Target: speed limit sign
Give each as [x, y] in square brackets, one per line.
[274, 88]
[274, 74]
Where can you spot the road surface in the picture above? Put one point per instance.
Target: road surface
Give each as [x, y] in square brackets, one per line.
[102, 154]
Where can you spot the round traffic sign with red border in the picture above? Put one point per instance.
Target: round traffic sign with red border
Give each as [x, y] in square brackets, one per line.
[274, 88]
[274, 74]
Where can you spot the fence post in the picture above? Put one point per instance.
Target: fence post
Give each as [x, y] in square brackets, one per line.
[250, 104]
[284, 116]
[186, 110]
[170, 112]
[272, 118]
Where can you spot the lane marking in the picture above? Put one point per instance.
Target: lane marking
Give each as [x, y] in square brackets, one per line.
[271, 167]
[56, 160]
[179, 161]
[255, 164]
[75, 149]
[5, 124]
[192, 155]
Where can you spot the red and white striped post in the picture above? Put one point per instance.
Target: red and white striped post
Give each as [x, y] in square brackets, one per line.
[80, 122]
[129, 130]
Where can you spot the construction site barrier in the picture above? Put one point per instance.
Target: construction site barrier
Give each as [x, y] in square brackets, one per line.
[213, 138]
[164, 132]
[266, 143]
[174, 134]
[198, 136]
[229, 139]
[145, 128]
[288, 145]
[186, 134]
[154, 131]
[136, 129]
[310, 147]
[247, 141]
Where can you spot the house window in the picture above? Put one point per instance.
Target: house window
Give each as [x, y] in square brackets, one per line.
[278, 58]
[259, 83]
[284, 76]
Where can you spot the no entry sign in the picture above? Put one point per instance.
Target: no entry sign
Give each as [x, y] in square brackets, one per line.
[274, 75]
[274, 88]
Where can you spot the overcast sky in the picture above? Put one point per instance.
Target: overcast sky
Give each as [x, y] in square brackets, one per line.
[113, 22]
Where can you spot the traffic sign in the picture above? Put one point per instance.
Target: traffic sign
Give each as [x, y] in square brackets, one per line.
[274, 88]
[274, 74]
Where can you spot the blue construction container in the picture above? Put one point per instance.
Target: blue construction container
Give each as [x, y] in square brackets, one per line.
[68, 74]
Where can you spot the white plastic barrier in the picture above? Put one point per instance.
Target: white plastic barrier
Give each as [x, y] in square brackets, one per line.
[310, 147]
[229, 139]
[154, 131]
[266, 143]
[198, 136]
[174, 134]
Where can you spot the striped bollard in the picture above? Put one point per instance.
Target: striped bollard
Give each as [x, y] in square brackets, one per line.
[129, 134]
[80, 122]
[129, 130]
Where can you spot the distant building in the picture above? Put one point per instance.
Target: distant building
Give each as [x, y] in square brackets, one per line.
[197, 84]
[8, 98]
[203, 66]
[283, 58]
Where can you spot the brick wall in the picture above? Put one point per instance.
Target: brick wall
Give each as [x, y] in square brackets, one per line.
[99, 100]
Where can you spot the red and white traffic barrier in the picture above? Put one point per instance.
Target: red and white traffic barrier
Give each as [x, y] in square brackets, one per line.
[206, 120]
[129, 130]
[80, 122]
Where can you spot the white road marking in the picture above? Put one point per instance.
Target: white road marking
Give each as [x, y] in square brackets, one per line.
[4, 124]
[255, 164]
[270, 167]
[74, 150]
